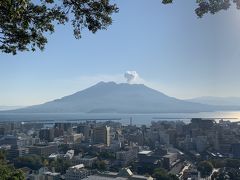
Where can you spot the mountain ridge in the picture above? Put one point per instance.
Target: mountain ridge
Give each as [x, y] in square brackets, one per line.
[5, 108]
[120, 98]
[214, 100]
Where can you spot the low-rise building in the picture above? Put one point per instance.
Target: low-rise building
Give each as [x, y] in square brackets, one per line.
[43, 150]
[69, 154]
[77, 172]
[51, 175]
[87, 161]
[73, 138]
[126, 157]
[123, 174]
[16, 152]
[169, 160]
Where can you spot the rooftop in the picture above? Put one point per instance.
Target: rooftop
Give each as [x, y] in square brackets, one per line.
[145, 152]
[97, 177]
[79, 166]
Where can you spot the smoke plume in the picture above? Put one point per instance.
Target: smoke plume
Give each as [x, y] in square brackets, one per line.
[131, 76]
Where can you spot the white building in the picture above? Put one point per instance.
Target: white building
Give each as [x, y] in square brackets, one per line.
[69, 154]
[124, 174]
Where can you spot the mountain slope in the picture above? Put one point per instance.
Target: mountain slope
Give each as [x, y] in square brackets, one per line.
[218, 101]
[5, 108]
[120, 98]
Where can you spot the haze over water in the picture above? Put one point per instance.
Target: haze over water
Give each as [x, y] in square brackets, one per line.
[138, 119]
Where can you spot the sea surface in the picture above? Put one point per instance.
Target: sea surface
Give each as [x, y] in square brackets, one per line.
[138, 119]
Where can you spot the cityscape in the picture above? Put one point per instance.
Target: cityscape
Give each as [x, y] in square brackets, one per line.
[91, 149]
[119, 90]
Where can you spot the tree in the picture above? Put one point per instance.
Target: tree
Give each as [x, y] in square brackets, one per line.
[226, 173]
[8, 172]
[161, 174]
[60, 165]
[23, 23]
[33, 162]
[205, 168]
[210, 6]
[100, 165]
[232, 163]
[106, 155]
[218, 163]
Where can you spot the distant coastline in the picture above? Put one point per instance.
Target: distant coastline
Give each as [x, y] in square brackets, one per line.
[123, 118]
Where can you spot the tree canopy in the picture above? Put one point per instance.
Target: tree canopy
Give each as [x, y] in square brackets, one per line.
[24, 23]
[210, 6]
[205, 168]
[8, 172]
[161, 174]
[33, 162]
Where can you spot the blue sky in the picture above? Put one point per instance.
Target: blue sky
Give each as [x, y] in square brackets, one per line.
[170, 48]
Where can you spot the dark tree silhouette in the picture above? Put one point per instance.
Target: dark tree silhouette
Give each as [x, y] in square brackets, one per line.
[205, 168]
[210, 6]
[161, 174]
[24, 23]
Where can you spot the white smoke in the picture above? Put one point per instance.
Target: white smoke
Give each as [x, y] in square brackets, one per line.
[131, 76]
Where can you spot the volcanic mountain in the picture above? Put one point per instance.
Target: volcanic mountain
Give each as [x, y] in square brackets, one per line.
[110, 97]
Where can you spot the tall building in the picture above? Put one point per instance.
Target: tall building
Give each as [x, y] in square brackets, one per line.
[46, 134]
[202, 123]
[101, 135]
[85, 130]
[64, 126]
[236, 150]
[201, 143]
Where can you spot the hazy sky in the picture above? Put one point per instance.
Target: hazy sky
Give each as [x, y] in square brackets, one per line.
[169, 47]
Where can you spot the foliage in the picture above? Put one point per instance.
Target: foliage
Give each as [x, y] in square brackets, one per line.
[217, 163]
[232, 163]
[226, 173]
[2, 156]
[8, 172]
[63, 148]
[60, 165]
[106, 155]
[161, 174]
[229, 163]
[205, 168]
[23, 23]
[210, 6]
[145, 169]
[100, 165]
[33, 162]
